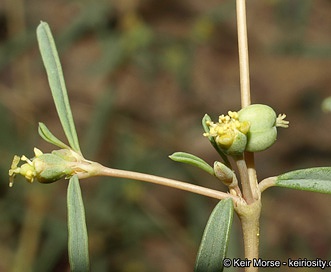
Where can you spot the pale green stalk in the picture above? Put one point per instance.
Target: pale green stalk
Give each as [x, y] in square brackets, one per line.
[105, 171]
[249, 214]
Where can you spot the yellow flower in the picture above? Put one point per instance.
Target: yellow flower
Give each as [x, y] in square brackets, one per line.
[50, 167]
[229, 133]
[27, 170]
[44, 168]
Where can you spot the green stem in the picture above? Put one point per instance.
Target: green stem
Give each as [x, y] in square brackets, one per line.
[243, 53]
[244, 81]
[245, 92]
[245, 86]
[267, 183]
[250, 216]
[252, 178]
[248, 194]
[105, 171]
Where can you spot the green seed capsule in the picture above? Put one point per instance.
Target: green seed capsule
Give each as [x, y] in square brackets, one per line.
[259, 141]
[263, 122]
[50, 168]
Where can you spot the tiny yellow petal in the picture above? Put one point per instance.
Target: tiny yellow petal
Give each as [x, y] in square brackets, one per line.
[233, 114]
[37, 152]
[15, 162]
[244, 127]
[226, 139]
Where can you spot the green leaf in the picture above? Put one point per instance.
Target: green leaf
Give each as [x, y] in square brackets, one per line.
[215, 238]
[206, 119]
[316, 179]
[56, 82]
[77, 231]
[49, 137]
[193, 160]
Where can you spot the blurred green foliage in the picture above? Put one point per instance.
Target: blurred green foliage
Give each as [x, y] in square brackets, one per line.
[140, 77]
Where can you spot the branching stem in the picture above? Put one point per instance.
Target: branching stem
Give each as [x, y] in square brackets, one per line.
[267, 183]
[105, 171]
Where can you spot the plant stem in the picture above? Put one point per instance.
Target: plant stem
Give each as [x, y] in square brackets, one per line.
[245, 92]
[250, 216]
[245, 89]
[267, 183]
[244, 178]
[105, 171]
[243, 53]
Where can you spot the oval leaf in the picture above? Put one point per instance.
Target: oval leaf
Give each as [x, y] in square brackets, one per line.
[49, 137]
[215, 238]
[316, 179]
[56, 82]
[77, 231]
[193, 160]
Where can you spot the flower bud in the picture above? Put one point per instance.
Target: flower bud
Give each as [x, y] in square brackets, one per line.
[262, 130]
[228, 177]
[223, 173]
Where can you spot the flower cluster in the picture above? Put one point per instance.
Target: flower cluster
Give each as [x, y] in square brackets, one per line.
[229, 133]
[50, 167]
[253, 129]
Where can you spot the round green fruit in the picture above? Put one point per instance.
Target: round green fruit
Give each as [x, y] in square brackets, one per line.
[262, 131]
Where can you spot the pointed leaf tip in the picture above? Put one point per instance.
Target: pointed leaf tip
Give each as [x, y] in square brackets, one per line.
[48, 136]
[56, 81]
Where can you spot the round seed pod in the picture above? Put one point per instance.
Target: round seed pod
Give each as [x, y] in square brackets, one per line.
[50, 168]
[262, 131]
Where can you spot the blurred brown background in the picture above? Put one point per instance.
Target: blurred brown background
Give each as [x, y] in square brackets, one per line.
[140, 76]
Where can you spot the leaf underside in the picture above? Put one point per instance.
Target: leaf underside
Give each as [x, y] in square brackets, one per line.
[317, 179]
[215, 238]
[77, 230]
